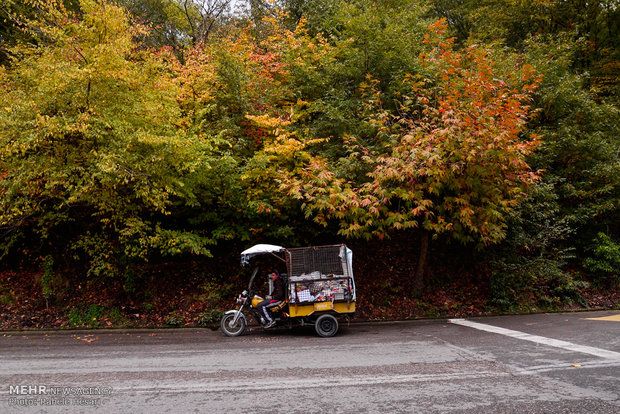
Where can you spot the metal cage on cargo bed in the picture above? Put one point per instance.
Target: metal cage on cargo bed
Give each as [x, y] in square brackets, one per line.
[328, 260]
[320, 278]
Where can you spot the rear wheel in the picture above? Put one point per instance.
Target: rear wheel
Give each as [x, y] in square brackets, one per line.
[326, 325]
[231, 329]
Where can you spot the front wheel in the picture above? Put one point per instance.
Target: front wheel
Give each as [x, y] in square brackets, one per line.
[326, 325]
[231, 329]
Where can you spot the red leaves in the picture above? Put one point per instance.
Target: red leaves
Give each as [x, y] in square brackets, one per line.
[460, 147]
[270, 65]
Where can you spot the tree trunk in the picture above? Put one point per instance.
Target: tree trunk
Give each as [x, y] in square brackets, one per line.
[418, 280]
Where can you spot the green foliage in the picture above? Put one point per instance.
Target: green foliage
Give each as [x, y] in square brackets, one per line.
[573, 45]
[84, 315]
[512, 22]
[154, 132]
[529, 268]
[91, 142]
[535, 281]
[48, 275]
[382, 39]
[94, 316]
[605, 259]
[213, 292]
[579, 139]
[7, 296]
[209, 319]
[174, 319]
[116, 317]
[212, 296]
[49, 280]
[166, 24]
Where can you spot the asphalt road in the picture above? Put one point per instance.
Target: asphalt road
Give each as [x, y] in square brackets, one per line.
[557, 363]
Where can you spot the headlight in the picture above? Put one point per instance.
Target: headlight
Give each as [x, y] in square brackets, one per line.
[241, 299]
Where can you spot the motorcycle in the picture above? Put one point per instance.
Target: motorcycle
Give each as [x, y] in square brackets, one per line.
[319, 287]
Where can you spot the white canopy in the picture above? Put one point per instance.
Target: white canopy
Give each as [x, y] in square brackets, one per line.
[258, 249]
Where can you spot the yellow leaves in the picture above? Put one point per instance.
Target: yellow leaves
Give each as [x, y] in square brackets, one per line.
[267, 121]
[418, 210]
[107, 23]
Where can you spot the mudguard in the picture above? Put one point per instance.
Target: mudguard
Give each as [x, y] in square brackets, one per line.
[242, 316]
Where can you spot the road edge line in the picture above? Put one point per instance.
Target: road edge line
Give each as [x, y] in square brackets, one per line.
[556, 343]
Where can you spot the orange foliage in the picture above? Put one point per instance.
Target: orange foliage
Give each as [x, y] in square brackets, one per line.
[451, 158]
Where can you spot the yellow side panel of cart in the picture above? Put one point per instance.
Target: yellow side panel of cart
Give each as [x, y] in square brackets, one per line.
[307, 309]
[344, 307]
[300, 310]
[323, 306]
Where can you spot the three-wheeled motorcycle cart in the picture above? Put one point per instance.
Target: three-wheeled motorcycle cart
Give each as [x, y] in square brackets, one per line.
[318, 283]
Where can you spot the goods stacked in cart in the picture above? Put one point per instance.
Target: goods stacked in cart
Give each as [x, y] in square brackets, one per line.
[319, 290]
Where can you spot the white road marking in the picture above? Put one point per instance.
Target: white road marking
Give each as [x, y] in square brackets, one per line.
[612, 318]
[569, 346]
[565, 366]
[288, 383]
[218, 385]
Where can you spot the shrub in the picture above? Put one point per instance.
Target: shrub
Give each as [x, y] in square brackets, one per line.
[49, 281]
[530, 265]
[116, 317]
[88, 316]
[605, 260]
[210, 318]
[174, 319]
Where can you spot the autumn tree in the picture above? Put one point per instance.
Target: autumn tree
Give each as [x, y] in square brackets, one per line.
[93, 157]
[573, 44]
[449, 160]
